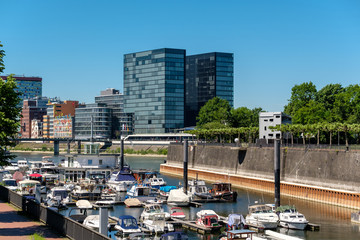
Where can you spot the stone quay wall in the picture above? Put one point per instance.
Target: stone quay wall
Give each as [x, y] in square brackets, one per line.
[324, 175]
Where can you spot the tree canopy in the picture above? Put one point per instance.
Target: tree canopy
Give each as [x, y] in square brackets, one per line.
[333, 103]
[9, 113]
[215, 110]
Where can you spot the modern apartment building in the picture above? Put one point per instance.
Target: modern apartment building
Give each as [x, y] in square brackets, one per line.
[122, 123]
[30, 87]
[272, 119]
[32, 109]
[154, 89]
[61, 110]
[208, 75]
[93, 120]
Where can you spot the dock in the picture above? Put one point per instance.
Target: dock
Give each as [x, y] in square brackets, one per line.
[192, 226]
[312, 227]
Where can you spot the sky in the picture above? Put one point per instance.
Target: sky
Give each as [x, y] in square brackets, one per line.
[77, 47]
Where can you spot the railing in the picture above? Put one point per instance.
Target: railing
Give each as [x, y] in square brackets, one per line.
[63, 225]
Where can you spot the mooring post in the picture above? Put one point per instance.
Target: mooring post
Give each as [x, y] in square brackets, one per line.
[185, 166]
[68, 146]
[56, 148]
[103, 228]
[277, 171]
[122, 154]
[79, 147]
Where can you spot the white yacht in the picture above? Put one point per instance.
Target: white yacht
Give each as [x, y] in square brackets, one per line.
[57, 197]
[151, 209]
[289, 217]
[177, 197]
[261, 216]
[122, 180]
[198, 190]
[157, 223]
[127, 225]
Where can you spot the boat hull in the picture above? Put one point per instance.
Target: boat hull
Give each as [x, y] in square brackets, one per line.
[293, 225]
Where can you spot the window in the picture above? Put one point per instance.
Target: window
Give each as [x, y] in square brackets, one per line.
[277, 116]
[89, 162]
[271, 120]
[100, 161]
[265, 128]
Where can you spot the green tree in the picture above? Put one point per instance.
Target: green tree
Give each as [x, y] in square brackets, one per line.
[300, 96]
[9, 113]
[241, 117]
[327, 95]
[215, 110]
[310, 113]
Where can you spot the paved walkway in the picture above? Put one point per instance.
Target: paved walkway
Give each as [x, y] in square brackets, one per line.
[15, 226]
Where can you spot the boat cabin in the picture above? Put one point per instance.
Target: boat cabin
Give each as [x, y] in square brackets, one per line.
[209, 220]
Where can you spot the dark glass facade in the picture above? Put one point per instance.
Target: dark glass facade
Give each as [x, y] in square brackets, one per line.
[154, 89]
[208, 75]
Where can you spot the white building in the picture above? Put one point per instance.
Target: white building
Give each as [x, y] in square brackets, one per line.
[268, 119]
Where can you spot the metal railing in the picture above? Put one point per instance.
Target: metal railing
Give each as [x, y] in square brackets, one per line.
[63, 225]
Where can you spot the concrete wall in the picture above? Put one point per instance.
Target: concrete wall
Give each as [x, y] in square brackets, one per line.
[321, 168]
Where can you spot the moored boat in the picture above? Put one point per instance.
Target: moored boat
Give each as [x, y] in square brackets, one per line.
[290, 218]
[223, 191]
[261, 216]
[127, 225]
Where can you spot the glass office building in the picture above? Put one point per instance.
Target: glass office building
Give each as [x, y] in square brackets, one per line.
[154, 89]
[122, 124]
[99, 114]
[208, 75]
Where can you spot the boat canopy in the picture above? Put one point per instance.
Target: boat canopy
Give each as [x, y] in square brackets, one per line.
[167, 188]
[128, 222]
[125, 177]
[236, 220]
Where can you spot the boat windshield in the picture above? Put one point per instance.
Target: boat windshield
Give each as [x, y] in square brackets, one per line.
[129, 223]
[62, 194]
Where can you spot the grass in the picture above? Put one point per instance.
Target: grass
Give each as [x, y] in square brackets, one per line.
[37, 236]
[159, 151]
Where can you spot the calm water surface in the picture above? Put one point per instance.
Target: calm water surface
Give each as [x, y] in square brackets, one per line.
[335, 221]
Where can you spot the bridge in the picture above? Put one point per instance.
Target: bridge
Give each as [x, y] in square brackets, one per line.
[57, 141]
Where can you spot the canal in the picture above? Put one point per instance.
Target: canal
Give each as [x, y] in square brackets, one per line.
[334, 221]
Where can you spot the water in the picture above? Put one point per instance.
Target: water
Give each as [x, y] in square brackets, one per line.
[335, 221]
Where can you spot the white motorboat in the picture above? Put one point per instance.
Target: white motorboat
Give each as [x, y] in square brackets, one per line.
[127, 225]
[151, 209]
[27, 187]
[156, 223]
[58, 197]
[122, 180]
[198, 190]
[92, 221]
[177, 212]
[23, 164]
[261, 216]
[80, 212]
[141, 192]
[289, 217]
[12, 168]
[10, 184]
[177, 197]
[155, 182]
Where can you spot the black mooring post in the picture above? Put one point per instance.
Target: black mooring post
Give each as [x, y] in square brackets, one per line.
[122, 154]
[185, 166]
[277, 172]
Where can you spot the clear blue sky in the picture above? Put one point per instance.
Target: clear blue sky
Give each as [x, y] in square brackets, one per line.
[77, 47]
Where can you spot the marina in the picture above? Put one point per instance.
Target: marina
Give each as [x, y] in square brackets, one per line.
[328, 217]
